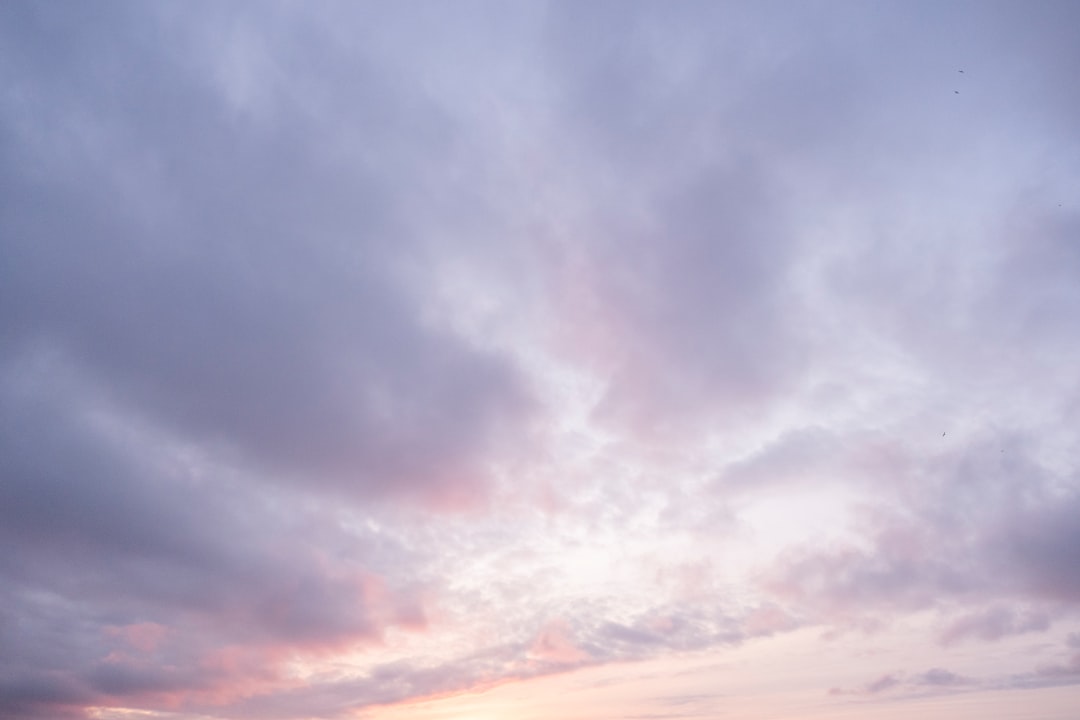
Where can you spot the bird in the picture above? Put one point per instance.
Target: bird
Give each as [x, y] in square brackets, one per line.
[956, 92]
[960, 71]
[942, 434]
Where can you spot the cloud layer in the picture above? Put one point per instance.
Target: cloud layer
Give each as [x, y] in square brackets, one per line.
[380, 353]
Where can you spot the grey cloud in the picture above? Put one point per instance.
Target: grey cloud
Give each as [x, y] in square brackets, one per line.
[883, 683]
[815, 455]
[100, 539]
[690, 239]
[217, 227]
[604, 636]
[220, 339]
[652, 84]
[702, 282]
[67, 490]
[42, 698]
[1040, 547]
[994, 623]
[990, 534]
[939, 677]
[899, 684]
[880, 685]
[627, 635]
[234, 282]
[1054, 674]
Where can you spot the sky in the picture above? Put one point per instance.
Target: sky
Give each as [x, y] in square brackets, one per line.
[526, 360]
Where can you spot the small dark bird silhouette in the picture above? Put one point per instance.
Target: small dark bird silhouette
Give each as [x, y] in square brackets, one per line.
[960, 71]
[942, 434]
[956, 92]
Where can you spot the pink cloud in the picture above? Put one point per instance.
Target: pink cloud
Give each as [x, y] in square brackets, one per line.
[874, 687]
[555, 644]
[146, 636]
[767, 620]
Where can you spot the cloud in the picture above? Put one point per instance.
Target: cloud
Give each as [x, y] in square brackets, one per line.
[680, 273]
[132, 577]
[967, 530]
[241, 290]
[553, 644]
[939, 677]
[1063, 672]
[1068, 672]
[216, 353]
[883, 683]
[301, 312]
[903, 684]
[994, 623]
[880, 685]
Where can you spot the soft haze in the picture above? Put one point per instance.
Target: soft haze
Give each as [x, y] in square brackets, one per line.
[579, 360]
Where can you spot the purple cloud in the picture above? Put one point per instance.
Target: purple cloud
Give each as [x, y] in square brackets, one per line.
[976, 533]
[257, 311]
[994, 623]
[424, 348]
[939, 677]
[934, 680]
